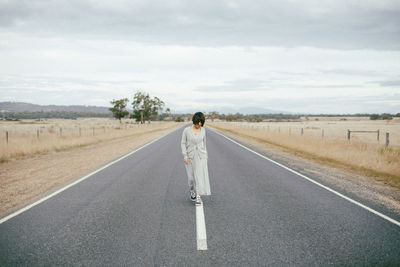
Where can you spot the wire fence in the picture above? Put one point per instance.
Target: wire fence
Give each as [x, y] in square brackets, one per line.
[30, 137]
[385, 134]
[15, 132]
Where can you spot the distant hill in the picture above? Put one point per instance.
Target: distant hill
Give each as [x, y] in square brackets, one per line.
[257, 110]
[18, 107]
[249, 110]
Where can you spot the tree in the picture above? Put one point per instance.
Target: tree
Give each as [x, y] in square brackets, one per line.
[213, 115]
[156, 106]
[144, 107]
[374, 117]
[386, 116]
[179, 119]
[119, 108]
[165, 114]
[254, 118]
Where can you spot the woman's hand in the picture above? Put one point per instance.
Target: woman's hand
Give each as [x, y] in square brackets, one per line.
[186, 160]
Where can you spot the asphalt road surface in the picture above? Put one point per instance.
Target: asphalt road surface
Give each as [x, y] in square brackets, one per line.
[137, 212]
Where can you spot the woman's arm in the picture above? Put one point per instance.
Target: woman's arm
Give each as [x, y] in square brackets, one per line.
[183, 144]
[204, 141]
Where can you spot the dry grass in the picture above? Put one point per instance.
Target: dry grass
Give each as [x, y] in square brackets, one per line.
[28, 137]
[336, 128]
[368, 157]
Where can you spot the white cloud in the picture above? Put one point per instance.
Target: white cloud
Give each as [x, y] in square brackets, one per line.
[332, 24]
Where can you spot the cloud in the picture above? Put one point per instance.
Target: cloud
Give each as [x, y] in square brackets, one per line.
[395, 83]
[352, 72]
[57, 97]
[330, 86]
[240, 85]
[388, 103]
[333, 24]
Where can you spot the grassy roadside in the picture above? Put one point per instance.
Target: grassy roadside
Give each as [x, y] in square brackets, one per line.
[25, 146]
[320, 155]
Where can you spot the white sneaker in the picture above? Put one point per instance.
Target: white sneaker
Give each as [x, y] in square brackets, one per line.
[198, 201]
[192, 195]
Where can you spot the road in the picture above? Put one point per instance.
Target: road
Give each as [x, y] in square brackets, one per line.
[138, 212]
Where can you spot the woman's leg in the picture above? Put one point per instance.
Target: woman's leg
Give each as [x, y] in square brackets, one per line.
[191, 181]
[190, 176]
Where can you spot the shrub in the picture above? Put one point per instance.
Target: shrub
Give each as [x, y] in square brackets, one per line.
[386, 116]
[374, 117]
[179, 119]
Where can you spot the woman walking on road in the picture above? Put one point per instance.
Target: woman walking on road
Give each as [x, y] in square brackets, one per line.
[195, 156]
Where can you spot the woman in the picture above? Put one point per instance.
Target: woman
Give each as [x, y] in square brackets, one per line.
[196, 157]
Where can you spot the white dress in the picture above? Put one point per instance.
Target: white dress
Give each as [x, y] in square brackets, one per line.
[194, 147]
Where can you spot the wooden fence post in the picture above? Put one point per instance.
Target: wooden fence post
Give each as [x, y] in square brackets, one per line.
[37, 134]
[348, 134]
[7, 137]
[377, 135]
[302, 131]
[387, 139]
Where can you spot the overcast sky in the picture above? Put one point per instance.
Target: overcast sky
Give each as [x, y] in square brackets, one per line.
[340, 56]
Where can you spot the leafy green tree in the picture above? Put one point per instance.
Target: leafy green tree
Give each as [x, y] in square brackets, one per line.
[145, 107]
[119, 108]
[374, 117]
[386, 116]
[156, 106]
[254, 118]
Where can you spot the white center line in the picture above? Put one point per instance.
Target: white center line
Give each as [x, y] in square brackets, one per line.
[201, 228]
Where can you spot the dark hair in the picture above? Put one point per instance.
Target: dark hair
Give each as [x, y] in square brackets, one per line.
[199, 117]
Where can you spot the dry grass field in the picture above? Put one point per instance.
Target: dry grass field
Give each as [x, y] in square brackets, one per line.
[336, 128]
[326, 140]
[30, 137]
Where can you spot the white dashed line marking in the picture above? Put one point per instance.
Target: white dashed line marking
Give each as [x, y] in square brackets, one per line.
[201, 234]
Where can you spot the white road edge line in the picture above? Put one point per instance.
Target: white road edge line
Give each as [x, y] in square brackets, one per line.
[201, 234]
[311, 180]
[78, 181]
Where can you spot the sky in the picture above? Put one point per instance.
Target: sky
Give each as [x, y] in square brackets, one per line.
[309, 56]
